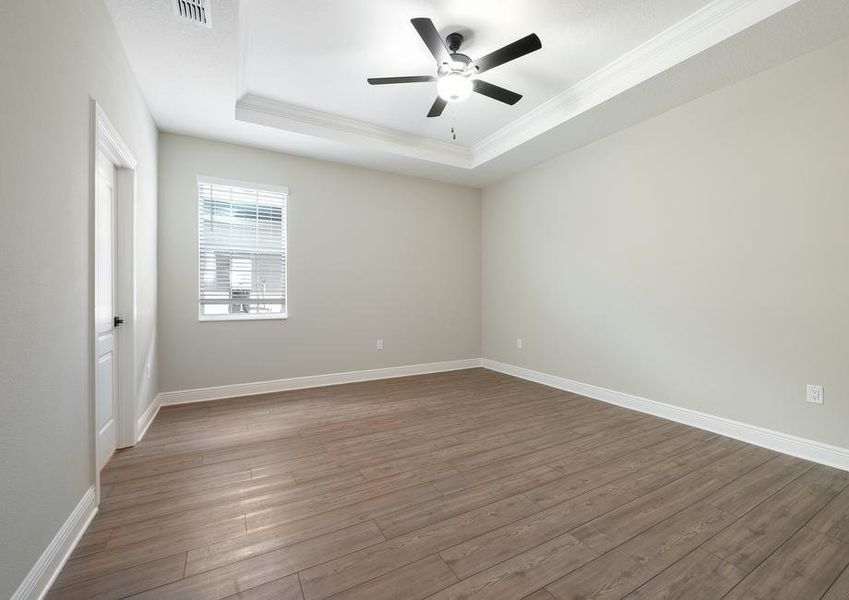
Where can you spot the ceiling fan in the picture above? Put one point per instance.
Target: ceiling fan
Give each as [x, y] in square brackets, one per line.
[456, 74]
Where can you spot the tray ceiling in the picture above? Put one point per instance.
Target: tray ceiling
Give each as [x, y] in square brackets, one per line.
[291, 75]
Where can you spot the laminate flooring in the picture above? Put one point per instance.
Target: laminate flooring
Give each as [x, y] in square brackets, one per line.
[462, 485]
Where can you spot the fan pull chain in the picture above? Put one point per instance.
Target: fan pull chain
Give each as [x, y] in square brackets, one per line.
[453, 126]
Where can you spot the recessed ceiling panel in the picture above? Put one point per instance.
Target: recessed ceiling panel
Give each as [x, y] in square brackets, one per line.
[318, 54]
[289, 75]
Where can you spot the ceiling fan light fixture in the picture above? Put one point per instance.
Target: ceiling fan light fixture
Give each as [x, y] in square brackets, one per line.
[454, 87]
[456, 73]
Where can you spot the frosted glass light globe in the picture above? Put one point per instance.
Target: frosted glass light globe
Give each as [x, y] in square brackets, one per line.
[454, 87]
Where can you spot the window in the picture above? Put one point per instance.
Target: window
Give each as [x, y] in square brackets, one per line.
[241, 250]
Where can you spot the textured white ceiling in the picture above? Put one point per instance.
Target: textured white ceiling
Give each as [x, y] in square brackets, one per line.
[317, 53]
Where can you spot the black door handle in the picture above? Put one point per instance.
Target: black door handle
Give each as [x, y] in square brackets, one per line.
[116, 321]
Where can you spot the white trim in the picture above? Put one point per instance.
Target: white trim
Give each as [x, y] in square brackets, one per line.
[297, 383]
[280, 115]
[694, 34]
[45, 570]
[110, 141]
[274, 189]
[826, 454]
[244, 317]
[147, 417]
[105, 137]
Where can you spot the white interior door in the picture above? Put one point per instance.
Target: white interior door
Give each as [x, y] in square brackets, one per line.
[106, 363]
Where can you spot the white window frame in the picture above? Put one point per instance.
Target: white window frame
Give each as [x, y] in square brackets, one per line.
[255, 186]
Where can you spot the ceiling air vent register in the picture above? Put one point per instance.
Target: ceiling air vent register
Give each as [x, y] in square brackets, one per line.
[196, 11]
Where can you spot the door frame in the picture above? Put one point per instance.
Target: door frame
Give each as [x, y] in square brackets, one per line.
[105, 137]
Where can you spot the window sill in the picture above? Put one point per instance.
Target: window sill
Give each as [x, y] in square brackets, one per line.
[249, 317]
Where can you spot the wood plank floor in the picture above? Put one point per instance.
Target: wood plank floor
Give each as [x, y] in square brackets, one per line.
[468, 484]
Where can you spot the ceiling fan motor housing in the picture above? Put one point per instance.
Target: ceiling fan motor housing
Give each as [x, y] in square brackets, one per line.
[460, 63]
[454, 41]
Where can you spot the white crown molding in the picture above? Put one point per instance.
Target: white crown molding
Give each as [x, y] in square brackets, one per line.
[297, 383]
[696, 33]
[703, 29]
[299, 119]
[44, 572]
[832, 456]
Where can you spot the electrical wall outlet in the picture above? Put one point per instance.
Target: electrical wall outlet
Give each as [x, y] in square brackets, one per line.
[519, 343]
[815, 395]
[379, 345]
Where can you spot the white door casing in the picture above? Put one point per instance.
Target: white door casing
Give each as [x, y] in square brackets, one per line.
[105, 343]
[113, 372]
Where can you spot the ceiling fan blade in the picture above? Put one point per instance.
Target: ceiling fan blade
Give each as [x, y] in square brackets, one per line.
[526, 45]
[430, 36]
[495, 92]
[408, 79]
[437, 108]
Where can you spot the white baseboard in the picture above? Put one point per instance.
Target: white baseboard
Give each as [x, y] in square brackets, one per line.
[42, 575]
[832, 456]
[147, 417]
[296, 383]
[785, 443]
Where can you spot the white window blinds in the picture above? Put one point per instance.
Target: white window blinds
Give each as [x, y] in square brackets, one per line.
[241, 250]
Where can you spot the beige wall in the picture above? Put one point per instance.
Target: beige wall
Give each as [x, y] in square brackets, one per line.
[700, 258]
[371, 255]
[56, 55]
